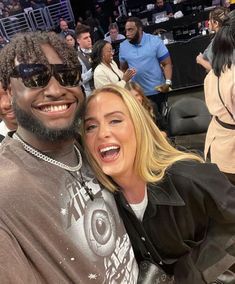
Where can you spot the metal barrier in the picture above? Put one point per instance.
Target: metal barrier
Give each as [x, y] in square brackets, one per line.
[57, 11]
[15, 24]
[40, 19]
[122, 9]
[37, 19]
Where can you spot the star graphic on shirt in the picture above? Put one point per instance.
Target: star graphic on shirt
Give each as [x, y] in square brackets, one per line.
[63, 211]
[92, 276]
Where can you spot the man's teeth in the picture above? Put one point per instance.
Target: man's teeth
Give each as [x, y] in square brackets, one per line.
[54, 108]
[109, 148]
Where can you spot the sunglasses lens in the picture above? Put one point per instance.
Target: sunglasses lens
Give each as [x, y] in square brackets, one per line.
[68, 77]
[37, 80]
[34, 75]
[38, 75]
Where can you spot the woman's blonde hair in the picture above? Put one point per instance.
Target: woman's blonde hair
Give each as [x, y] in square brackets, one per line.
[154, 154]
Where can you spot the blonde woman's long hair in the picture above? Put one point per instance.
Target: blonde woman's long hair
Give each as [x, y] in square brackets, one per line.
[154, 154]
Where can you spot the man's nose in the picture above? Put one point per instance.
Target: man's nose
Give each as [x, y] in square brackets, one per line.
[5, 102]
[54, 89]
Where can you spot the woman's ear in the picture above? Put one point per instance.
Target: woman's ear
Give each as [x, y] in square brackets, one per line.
[215, 24]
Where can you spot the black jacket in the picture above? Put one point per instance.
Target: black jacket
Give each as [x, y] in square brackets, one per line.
[189, 224]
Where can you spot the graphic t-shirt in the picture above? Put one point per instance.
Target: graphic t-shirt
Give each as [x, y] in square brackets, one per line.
[50, 229]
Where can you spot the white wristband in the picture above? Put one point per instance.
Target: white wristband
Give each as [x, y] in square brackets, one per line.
[168, 82]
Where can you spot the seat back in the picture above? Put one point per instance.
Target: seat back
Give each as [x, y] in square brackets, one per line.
[188, 116]
[187, 121]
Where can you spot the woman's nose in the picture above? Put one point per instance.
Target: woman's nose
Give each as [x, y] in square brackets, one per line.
[104, 130]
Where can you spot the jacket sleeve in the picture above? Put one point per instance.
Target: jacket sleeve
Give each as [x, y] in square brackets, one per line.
[216, 254]
[101, 78]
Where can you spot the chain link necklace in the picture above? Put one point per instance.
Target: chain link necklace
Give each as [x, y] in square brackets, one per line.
[46, 158]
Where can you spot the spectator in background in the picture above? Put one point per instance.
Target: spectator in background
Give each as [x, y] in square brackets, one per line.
[15, 7]
[96, 30]
[65, 28]
[219, 88]
[216, 18]
[37, 4]
[151, 59]
[161, 6]
[104, 18]
[70, 40]
[137, 91]
[116, 14]
[52, 2]
[84, 49]
[25, 4]
[105, 69]
[114, 33]
[7, 115]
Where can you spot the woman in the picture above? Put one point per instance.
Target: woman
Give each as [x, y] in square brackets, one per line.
[105, 68]
[178, 211]
[216, 18]
[137, 91]
[219, 89]
[70, 40]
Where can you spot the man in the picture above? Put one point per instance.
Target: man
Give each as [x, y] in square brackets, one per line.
[115, 39]
[83, 38]
[161, 6]
[7, 115]
[64, 29]
[37, 4]
[151, 59]
[114, 33]
[57, 225]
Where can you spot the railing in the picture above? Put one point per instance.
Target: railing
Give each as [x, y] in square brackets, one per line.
[40, 19]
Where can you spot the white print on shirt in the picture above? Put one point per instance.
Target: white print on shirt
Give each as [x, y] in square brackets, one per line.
[97, 230]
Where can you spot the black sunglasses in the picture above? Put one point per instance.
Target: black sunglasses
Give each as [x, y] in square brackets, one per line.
[39, 75]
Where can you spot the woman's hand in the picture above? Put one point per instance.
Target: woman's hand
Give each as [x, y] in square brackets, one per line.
[129, 74]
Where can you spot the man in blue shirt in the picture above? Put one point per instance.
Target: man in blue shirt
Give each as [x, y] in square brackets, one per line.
[151, 59]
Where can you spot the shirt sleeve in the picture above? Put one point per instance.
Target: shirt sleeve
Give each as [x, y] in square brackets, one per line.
[14, 266]
[161, 50]
[121, 53]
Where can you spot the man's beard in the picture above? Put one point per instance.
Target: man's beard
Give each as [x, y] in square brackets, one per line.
[30, 123]
[135, 39]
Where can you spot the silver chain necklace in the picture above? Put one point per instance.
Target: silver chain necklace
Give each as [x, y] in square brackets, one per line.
[46, 158]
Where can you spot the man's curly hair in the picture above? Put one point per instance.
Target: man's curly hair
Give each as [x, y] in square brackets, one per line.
[26, 47]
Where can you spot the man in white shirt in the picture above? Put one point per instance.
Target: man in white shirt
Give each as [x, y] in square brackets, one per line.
[84, 42]
[114, 34]
[7, 115]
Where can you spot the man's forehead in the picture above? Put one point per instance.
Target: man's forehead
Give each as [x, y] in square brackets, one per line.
[49, 52]
[130, 25]
[84, 35]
